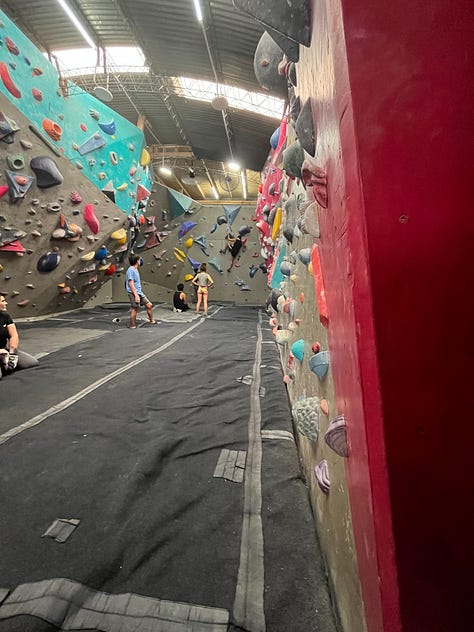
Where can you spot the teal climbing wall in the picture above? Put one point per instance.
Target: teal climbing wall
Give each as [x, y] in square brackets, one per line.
[31, 83]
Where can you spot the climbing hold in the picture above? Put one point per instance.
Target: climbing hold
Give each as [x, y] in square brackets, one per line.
[316, 178]
[179, 254]
[142, 193]
[304, 128]
[324, 406]
[15, 161]
[321, 472]
[222, 219]
[285, 268]
[8, 81]
[336, 437]
[18, 185]
[185, 228]
[46, 172]
[91, 219]
[37, 94]
[297, 349]
[119, 235]
[53, 130]
[265, 64]
[253, 271]
[293, 158]
[315, 347]
[110, 270]
[319, 363]
[215, 264]
[108, 128]
[48, 262]
[83, 127]
[304, 256]
[282, 336]
[274, 138]
[244, 230]
[94, 114]
[113, 158]
[12, 47]
[288, 233]
[273, 298]
[306, 417]
[145, 158]
[292, 20]
[75, 197]
[122, 186]
[188, 277]
[53, 207]
[88, 256]
[91, 144]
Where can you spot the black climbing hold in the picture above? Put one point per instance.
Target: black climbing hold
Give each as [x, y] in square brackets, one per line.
[48, 262]
[46, 172]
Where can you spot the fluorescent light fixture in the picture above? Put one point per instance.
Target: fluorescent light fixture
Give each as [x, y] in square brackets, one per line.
[214, 192]
[244, 184]
[68, 11]
[233, 166]
[197, 7]
[166, 171]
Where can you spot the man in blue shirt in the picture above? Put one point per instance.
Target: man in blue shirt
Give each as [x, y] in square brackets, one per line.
[135, 294]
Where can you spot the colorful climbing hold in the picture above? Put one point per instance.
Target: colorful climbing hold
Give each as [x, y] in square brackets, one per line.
[91, 219]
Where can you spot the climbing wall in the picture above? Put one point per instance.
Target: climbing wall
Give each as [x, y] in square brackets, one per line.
[179, 234]
[75, 181]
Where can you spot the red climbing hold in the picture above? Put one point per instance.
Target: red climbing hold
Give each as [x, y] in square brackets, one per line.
[90, 218]
[8, 81]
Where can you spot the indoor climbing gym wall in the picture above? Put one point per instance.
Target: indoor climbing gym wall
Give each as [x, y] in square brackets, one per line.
[365, 207]
[178, 234]
[75, 180]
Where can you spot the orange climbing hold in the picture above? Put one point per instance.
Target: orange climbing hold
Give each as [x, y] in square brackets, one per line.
[53, 130]
[319, 286]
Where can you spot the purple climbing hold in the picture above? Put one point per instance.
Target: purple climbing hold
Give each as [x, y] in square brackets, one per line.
[321, 471]
[185, 228]
[336, 437]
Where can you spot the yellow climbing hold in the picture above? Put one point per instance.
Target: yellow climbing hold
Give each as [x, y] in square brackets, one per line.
[276, 224]
[119, 236]
[1, 268]
[189, 242]
[179, 254]
[145, 158]
[310, 267]
[88, 257]
[293, 278]
[122, 187]
[188, 277]
[106, 266]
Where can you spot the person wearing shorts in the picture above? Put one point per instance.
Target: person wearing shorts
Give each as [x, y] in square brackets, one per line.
[203, 281]
[135, 294]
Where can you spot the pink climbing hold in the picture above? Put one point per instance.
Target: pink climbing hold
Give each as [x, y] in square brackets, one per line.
[90, 218]
[3, 190]
[75, 197]
[83, 127]
[37, 94]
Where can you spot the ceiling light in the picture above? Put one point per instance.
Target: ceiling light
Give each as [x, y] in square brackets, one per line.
[68, 11]
[233, 166]
[191, 172]
[197, 8]
[214, 192]
[244, 184]
[166, 171]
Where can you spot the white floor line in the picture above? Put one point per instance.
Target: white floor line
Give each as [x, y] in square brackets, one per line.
[248, 611]
[57, 408]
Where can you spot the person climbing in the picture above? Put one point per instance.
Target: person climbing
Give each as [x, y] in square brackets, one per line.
[235, 249]
[203, 281]
[179, 299]
[135, 294]
[11, 358]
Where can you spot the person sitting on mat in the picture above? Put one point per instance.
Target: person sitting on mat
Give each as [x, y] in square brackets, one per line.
[203, 281]
[11, 358]
[179, 299]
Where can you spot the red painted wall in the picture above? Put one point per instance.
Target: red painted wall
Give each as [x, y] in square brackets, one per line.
[396, 252]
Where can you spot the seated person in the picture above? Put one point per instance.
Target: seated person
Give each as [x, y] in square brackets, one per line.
[179, 299]
[11, 358]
